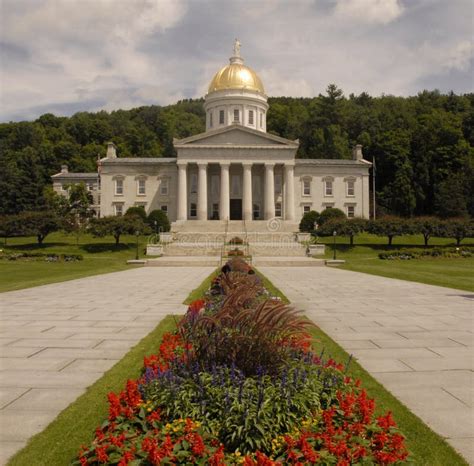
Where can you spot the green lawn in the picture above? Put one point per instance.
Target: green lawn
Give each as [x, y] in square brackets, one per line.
[100, 256]
[363, 257]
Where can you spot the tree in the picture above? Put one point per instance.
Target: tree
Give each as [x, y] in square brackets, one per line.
[161, 219]
[390, 227]
[308, 221]
[116, 226]
[458, 228]
[138, 211]
[39, 224]
[451, 198]
[330, 214]
[344, 227]
[9, 226]
[426, 226]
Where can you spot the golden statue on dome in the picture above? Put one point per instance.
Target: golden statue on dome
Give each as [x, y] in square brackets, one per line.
[237, 45]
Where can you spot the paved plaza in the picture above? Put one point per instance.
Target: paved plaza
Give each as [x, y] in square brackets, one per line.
[417, 340]
[56, 340]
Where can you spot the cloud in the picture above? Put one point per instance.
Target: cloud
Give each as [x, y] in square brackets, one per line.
[370, 11]
[64, 55]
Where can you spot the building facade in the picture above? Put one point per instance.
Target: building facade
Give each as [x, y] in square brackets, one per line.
[235, 170]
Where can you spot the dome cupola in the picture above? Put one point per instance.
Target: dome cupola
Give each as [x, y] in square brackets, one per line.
[236, 96]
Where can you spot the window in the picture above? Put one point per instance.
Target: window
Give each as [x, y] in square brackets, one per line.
[210, 119]
[278, 184]
[119, 187]
[261, 120]
[306, 187]
[306, 208]
[64, 187]
[328, 206]
[250, 117]
[236, 115]
[164, 208]
[221, 117]
[90, 186]
[350, 211]
[350, 188]
[277, 209]
[215, 211]
[141, 187]
[118, 209]
[164, 187]
[256, 211]
[193, 210]
[194, 183]
[328, 188]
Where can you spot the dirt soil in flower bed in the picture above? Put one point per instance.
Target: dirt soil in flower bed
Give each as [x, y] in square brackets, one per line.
[238, 382]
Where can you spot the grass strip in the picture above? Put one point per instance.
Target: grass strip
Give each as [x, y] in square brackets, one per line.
[198, 292]
[59, 443]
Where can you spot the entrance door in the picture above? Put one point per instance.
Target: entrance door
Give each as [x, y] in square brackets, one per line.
[236, 209]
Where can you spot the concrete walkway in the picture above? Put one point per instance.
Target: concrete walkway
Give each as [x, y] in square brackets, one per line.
[56, 340]
[417, 340]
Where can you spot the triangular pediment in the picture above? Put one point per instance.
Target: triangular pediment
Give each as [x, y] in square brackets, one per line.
[235, 135]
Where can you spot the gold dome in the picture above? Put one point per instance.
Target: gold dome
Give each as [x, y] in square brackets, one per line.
[236, 76]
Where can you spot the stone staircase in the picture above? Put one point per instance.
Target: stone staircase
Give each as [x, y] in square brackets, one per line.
[205, 243]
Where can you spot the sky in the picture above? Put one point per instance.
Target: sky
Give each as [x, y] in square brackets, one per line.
[66, 56]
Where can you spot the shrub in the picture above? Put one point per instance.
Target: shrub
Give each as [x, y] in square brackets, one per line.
[236, 240]
[308, 221]
[161, 219]
[49, 257]
[138, 211]
[117, 226]
[330, 214]
[414, 253]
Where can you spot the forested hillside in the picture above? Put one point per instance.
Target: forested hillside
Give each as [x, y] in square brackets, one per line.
[423, 145]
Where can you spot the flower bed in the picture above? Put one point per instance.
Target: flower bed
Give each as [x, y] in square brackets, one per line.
[427, 253]
[239, 383]
[40, 256]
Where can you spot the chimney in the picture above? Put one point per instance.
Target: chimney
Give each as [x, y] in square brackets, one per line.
[64, 169]
[111, 150]
[357, 152]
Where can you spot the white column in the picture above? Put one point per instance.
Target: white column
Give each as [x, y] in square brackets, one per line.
[290, 192]
[202, 191]
[224, 206]
[182, 192]
[269, 191]
[247, 192]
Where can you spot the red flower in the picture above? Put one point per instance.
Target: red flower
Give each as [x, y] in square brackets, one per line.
[217, 459]
[196, 306]
[101, 453]
[385, 422]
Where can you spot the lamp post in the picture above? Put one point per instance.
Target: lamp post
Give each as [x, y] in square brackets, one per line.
[334, 233]
[137, 234]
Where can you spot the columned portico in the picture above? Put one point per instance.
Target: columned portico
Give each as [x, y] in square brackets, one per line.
[182, 192]
[224, 205]
[269, 191]
[247, 192]
[290, 192]
[202, 191]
